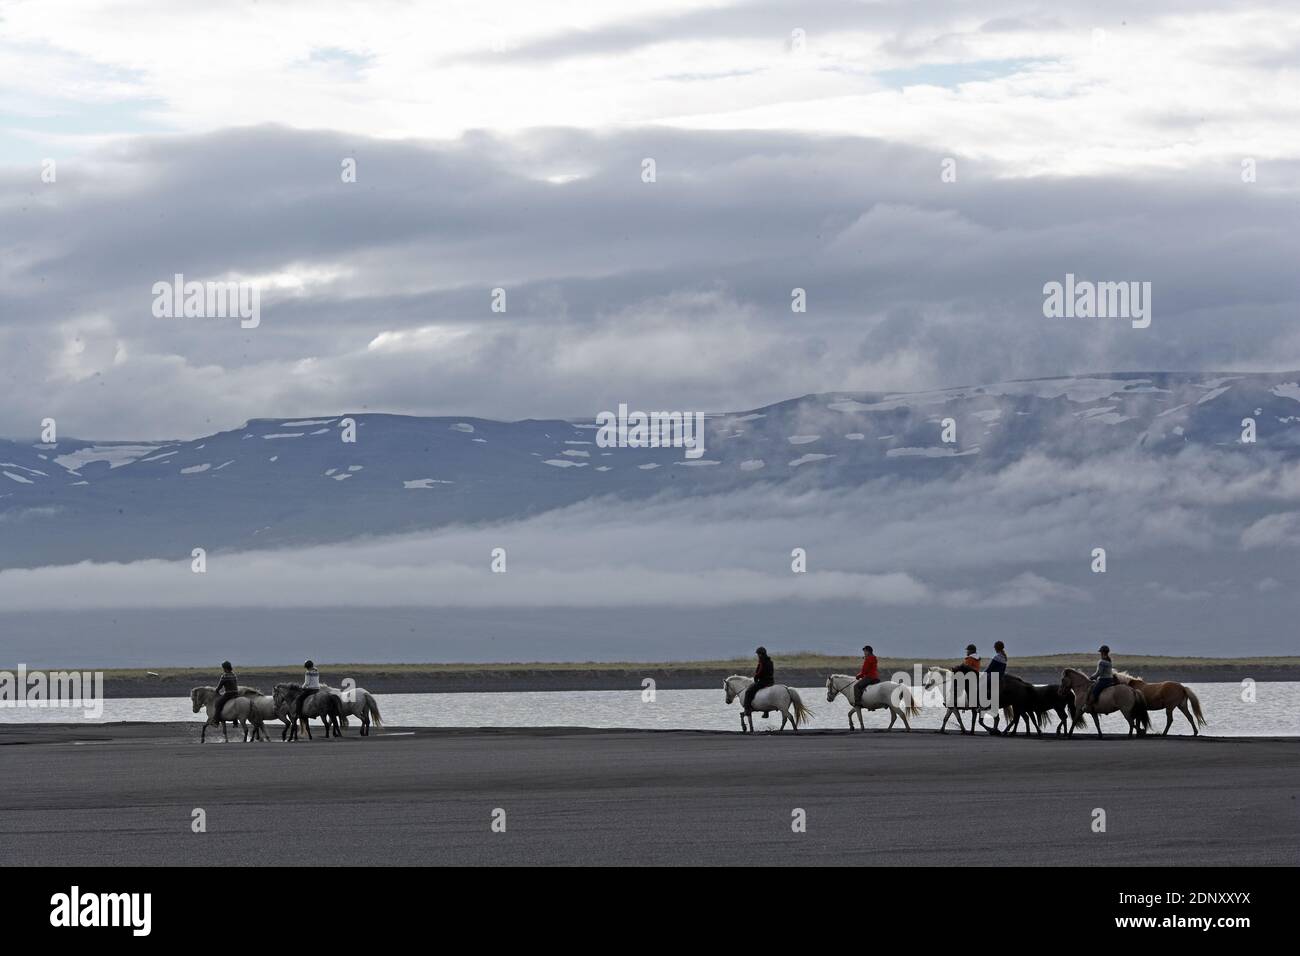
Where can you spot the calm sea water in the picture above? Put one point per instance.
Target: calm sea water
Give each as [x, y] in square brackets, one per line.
[1275, 711]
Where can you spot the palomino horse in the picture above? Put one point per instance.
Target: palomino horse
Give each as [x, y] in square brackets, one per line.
[322, 704]
[1116, 697]
[954, 696]
[897, 697]
[1168, 695]
[777, 697]
[239, 709]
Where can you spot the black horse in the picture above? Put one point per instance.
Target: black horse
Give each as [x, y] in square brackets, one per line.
[1032, 703]
[321, 704]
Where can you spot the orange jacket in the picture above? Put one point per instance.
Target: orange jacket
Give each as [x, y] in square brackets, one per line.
[869, 668]
[972, 661]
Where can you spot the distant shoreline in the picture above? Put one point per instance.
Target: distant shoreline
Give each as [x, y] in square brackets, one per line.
[797, 669]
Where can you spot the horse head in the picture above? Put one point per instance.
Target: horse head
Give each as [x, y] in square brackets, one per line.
[195, 698]
[282, 692]
[935, 676]
[831, 690]
[729, 685]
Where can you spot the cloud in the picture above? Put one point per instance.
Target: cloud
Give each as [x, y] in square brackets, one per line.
[377, 294]
[1273, 531]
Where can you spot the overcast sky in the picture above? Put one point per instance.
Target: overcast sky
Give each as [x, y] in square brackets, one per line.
[501, 145]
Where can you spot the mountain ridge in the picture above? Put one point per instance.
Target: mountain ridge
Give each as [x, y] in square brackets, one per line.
[274, 482]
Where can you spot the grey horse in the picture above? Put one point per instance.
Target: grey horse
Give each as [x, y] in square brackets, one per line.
[239, 709]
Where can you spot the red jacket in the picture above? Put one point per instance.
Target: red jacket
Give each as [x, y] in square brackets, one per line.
[869, 668]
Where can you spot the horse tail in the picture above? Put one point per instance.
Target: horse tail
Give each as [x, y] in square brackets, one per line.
[801, 713]
[911, 707]
[1196, 706]
[1141, 712]
[373, 708]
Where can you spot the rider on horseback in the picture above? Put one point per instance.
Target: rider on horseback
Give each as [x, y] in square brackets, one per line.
[868, 675]
[998, 665]
[310, 685]
[971, 663]
[764, 676]
[1103, 677]
[227, 687]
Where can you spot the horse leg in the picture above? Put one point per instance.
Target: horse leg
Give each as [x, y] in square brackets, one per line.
[1169, 719]
[782, 727]
[223, 732]
[893, 716]
[1183, 708]
[1097, 720]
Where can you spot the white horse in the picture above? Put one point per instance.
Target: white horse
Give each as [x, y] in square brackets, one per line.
[777, 697]
[955, 696]
[897, 697]
[238, 709]
[357, 702]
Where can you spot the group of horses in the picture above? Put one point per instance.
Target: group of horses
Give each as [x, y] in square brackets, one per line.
[1016, 700]
[252, 709]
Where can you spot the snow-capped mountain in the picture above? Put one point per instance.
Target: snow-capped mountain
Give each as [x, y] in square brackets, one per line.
[275, 482]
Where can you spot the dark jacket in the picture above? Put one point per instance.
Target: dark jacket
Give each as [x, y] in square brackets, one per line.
[765, 673]
[229, 684]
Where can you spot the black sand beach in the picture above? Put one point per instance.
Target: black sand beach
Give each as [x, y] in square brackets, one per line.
[124, 794]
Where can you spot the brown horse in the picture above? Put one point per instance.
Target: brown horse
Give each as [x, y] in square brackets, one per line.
[1167, 695]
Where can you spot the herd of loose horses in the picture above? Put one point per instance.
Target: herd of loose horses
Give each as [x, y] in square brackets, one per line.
[1012, 698]
[252, 709]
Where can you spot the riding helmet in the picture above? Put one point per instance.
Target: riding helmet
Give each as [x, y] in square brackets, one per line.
[1104, 649]
[307, 665]
[227, 666]
[761, 651]
[970, 648]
